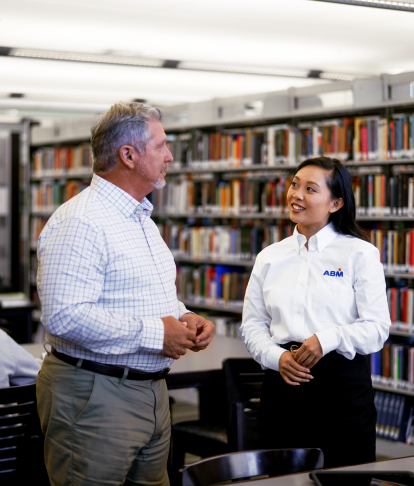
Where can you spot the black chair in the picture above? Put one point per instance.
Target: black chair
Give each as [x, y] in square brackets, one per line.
[250, 464]
[244, 379]
[205, 437]
[21, 440]
[229, 416]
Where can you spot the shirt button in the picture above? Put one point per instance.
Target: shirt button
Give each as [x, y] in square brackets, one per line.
[298, 339]
[298, 311]
[301, 284]
[306, 259]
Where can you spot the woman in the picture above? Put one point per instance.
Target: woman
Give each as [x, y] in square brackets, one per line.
[315, 304]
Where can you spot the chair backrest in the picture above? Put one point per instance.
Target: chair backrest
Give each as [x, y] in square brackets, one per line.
[18, 425]
[244, 379]
[245, 465]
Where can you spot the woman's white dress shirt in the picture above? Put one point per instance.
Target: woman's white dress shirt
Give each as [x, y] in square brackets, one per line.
[335, 290]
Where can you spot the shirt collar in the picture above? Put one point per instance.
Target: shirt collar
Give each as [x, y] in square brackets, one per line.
[119, 198]
[322, 238]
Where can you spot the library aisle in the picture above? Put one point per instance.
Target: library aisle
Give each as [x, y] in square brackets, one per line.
[225, 200]
[247, 93]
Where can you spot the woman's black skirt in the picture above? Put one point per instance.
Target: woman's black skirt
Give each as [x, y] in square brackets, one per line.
[334, 412]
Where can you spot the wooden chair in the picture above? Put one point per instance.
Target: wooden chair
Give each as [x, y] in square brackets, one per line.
[21, 440]
[250, 464]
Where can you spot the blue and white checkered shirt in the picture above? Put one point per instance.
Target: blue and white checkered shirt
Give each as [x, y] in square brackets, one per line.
[105, 278]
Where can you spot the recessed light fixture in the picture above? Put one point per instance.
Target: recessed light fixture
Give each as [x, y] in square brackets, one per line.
[175, 64]
[405, 6]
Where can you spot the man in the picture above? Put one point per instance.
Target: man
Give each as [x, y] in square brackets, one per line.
[106, 282]
[17, 366]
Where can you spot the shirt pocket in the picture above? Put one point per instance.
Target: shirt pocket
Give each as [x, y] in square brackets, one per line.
[331, 301]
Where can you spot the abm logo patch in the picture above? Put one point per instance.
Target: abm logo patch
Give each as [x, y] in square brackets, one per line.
[333, 273]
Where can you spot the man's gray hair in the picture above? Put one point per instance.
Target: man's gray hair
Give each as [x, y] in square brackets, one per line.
[122, 124]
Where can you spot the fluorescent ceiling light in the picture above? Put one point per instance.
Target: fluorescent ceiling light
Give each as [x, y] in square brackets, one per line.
[69, 106]
[68, 98]
[338, 76]
[231, 68]
[172, 64]
[70, 81]
[406, 6]
[80, 57]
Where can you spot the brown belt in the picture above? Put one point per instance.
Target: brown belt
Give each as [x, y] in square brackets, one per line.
[110, 370]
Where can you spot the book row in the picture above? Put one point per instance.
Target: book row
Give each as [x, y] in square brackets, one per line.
[394, 417]
[393, 366]
[361, 139]
[62, 160]
[384, 195]
[227, 326]
[375, 195]
[383, 138]
[401, 306]
[396, 248]
[229, 243]
[36, 225]
[219, 285]
[49, 195]
[238, 196]
[221, 242]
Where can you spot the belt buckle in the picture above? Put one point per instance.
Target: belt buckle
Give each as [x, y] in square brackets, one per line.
[164, 373]
[294, 347]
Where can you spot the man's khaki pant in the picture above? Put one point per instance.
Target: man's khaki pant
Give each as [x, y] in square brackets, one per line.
[101, 430]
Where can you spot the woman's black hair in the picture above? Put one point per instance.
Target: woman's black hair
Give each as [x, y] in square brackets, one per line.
[340, 185]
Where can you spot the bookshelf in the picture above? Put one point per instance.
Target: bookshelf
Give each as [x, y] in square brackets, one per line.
[386, 388]
[14, 197]
[57, 173]
[224, 164]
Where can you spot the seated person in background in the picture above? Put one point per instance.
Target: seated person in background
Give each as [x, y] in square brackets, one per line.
[17, 366]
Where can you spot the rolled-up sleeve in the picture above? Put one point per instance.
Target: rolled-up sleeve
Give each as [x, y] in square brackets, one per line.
[182, 309]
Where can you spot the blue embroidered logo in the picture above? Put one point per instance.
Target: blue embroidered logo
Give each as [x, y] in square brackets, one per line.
[332, 273]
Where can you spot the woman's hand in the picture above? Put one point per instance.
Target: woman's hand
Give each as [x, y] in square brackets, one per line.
[309, 353]
[292, 372]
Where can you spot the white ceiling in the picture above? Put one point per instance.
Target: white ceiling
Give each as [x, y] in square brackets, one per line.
[277, 33]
